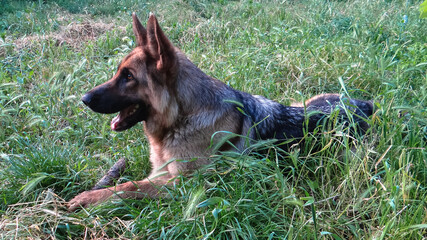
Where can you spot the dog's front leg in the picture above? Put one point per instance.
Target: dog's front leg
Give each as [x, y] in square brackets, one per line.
[87, 198]
[150, 188]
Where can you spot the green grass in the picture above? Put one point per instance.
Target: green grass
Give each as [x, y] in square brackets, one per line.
[52, 147]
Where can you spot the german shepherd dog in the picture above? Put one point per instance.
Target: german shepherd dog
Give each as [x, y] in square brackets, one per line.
[185, 111]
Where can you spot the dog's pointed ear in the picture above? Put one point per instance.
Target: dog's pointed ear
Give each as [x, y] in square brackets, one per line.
[159, 45]
[139, 31]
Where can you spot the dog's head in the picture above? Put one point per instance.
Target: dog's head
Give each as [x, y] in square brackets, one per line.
[143, 82]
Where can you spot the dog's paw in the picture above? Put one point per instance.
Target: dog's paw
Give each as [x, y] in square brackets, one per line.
[88, 198]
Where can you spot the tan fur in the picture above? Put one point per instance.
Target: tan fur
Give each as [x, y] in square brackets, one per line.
[313, 101]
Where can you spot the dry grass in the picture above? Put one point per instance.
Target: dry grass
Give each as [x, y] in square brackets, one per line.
[45, 217]
[73, 34]
[20, 220]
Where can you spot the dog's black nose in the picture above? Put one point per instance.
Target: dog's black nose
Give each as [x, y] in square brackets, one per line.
[86, 99]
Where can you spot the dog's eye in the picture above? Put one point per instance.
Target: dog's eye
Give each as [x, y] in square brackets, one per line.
[129, 77]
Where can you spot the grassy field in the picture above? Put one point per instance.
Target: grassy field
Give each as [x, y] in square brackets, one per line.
[52, 147]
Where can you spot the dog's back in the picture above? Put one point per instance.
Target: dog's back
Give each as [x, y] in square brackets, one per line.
[209, 106]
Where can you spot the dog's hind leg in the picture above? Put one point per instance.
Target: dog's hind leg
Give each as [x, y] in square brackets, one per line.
[359, 110]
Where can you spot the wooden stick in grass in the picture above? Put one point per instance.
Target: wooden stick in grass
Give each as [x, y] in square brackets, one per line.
[112, 175]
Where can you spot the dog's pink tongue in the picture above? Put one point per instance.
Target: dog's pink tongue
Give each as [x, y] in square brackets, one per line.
[114, 122]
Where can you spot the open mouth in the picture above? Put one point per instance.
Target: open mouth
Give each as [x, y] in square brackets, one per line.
[128, 117]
